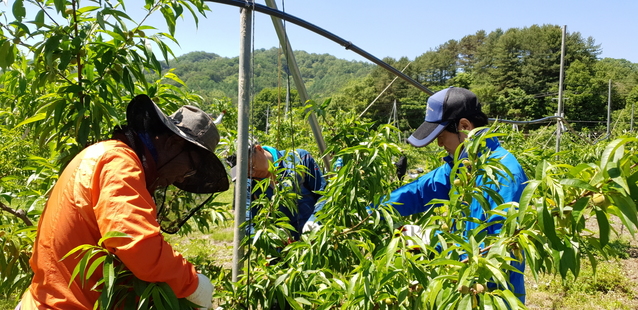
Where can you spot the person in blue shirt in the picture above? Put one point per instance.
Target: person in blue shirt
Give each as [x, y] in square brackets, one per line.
[308, 181]
[449, 115]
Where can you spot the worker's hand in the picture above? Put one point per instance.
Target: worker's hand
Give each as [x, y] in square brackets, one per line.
[203, 295]
[310, 226]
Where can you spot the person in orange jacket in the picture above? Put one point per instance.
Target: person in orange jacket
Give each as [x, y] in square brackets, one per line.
[109, 186]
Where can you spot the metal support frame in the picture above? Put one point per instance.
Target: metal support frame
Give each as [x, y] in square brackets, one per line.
[244, 88]
[345, 43]
[559, 120]
[247, 7]
[560, 88]
[296, 76]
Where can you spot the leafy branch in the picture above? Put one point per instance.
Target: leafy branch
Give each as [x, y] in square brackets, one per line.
[21, 214]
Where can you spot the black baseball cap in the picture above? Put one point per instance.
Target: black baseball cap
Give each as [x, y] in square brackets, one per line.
[445, 106]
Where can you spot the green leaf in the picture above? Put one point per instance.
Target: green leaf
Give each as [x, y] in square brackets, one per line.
[128, 80]
[465, 302]
[526, 198]
[610, 151]
[603, 226]
[39, 19]
[578, 207]
[22, 27]
[546, 223]
[625, 205]
[83, 131]
[108, 271]
[60, 5]
[19, 12]
[83, 247]
[578, 184]
[86, 9]
[168, 295]
[6, 54]
[614, 172]
[157, 299]
[511, 299]
[78, 270]
[35, 118]
[170, 18]
[112, 234]
[96, 263]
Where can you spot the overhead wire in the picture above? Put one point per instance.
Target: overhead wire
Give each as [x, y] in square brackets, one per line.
[564, 122]
[383, 91]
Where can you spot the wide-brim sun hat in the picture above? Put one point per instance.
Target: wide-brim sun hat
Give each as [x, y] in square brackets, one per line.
[445, 106]
[193, 125]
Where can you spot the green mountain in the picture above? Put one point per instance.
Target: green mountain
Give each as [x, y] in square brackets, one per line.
[215, 76]
[514, 72]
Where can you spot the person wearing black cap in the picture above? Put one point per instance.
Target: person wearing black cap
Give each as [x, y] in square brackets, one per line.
[449, 115]
[108, 187]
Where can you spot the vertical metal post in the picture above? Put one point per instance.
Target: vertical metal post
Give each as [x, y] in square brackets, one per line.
[267, 119]
[301, 88]
[631, 123]
[560, 89]
[245, 50]
[609, 109]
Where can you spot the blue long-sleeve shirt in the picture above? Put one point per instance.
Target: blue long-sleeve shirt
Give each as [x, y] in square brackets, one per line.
[308, 182]
[413, 197]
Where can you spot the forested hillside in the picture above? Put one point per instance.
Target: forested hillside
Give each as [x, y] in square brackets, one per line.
[211, 74]
[515, 72]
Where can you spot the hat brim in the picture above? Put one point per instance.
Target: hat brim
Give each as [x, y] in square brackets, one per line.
[210, 178]
[426, 133]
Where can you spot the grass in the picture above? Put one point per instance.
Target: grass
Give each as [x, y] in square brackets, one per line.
[8, 303]
[611, 287]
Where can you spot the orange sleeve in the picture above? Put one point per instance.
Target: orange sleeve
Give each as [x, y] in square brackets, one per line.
[122, 203]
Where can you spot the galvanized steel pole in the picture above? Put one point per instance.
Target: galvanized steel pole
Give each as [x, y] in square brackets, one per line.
[296, 76]
[609, 109]
[244, 88]
[631, 124]
[560, 89]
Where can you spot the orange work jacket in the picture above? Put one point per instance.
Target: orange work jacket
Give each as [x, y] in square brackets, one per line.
[103, 189]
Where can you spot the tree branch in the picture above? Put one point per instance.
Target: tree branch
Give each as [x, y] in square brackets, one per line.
[17, 213]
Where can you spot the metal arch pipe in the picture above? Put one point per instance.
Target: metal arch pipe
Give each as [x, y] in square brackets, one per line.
[345, 43]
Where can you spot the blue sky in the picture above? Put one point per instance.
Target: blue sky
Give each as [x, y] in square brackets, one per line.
[404, 28]
[410, 28]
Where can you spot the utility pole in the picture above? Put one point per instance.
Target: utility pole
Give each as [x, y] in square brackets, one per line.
[560, 90]
[245, 50]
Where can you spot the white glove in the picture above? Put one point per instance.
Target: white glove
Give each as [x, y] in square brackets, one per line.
[203, 295]
[310, 226]
[414, 231]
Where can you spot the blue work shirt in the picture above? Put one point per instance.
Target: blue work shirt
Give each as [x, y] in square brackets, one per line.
[413, 197]
[309, 182]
